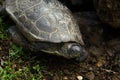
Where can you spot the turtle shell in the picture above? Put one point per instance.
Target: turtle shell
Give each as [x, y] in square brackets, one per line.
[44, 20]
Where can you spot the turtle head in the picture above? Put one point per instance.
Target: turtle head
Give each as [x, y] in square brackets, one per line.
[74, 50]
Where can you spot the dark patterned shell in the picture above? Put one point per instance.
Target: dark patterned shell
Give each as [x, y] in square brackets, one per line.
[44, 20]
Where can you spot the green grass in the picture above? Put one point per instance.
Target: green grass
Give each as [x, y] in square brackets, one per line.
[18, 65]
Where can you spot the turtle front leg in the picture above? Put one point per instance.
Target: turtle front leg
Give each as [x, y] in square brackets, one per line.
[16, 36]
[19, 39]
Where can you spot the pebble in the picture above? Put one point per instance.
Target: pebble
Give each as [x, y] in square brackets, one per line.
[0, 48]
[65, 78]
[79, 77]
[2, 62]
[100, 62]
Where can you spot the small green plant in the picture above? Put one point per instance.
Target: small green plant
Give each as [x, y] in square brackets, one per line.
[8, 73]
[19, 66]
[16, 51]
[38, 69]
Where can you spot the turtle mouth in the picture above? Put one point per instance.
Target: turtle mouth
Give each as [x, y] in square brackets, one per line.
[83, 55]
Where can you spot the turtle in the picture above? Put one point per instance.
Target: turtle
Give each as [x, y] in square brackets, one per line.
[46, 25]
